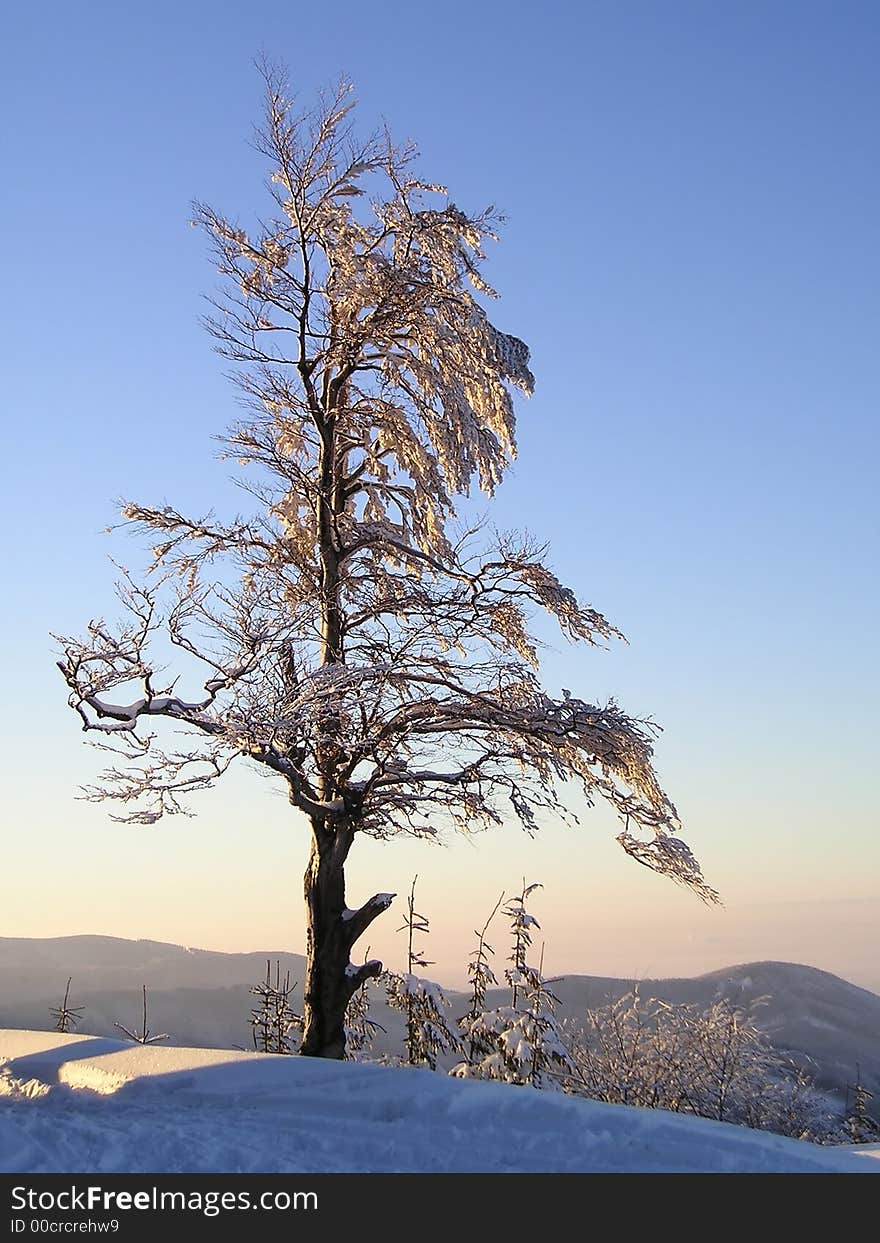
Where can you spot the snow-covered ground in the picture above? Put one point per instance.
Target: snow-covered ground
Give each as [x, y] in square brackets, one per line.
[88, 1104]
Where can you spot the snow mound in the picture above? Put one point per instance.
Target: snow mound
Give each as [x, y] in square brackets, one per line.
[83, 1104]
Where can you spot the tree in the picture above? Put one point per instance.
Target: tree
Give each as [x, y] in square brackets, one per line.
[356, 642]
[360, 1027]
[859, 1126]
[521, 925]
[521, 1042]
[144, 1036]
[714, 1062]
[428, 1033]
[273, 1021]
[66, 1016]
[481, 978]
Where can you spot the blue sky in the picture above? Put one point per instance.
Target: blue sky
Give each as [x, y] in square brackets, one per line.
[692, 254]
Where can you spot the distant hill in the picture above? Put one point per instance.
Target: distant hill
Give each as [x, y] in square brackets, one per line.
[828, 1024]
[201, 998]
[113, 962]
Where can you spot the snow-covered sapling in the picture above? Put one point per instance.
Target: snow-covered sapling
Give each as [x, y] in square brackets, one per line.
[428, 1031]
[860, 1127]
[275, 1026]
[482, 978]
[360, 1027]
[521, 924]
[522, 1042]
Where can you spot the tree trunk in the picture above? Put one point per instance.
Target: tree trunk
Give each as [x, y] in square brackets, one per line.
[331, 931]
[331, 928]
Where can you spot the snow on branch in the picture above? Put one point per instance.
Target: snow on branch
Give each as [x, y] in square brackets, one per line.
[358, 921]
[347, 638]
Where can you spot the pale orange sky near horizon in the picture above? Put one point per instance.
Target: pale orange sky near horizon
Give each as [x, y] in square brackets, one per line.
[230, 879]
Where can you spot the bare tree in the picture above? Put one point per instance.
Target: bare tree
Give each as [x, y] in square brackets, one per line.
[428, 1032]
[356, 643]
[66, 1016]
[144, 1036]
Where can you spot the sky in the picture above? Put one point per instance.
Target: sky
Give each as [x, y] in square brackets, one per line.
[691, 252]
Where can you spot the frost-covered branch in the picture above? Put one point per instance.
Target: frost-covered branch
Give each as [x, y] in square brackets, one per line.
[715, 1062]
[347, 637]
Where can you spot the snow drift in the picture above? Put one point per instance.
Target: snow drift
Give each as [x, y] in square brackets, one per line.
[83, 1104]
